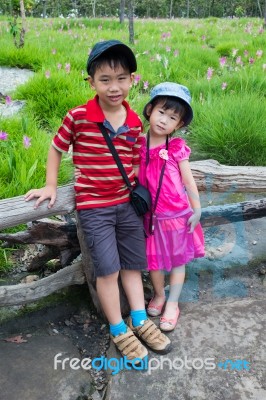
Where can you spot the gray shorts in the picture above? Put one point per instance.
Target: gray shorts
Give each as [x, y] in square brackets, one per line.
[115, 237]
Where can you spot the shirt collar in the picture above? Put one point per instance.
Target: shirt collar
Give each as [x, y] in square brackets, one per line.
[94, 113]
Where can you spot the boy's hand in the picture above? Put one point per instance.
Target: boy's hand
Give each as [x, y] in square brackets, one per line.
[47, 192]
[194, 220]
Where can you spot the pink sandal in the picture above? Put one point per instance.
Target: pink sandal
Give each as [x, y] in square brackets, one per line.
[155, 310]
[167, 324]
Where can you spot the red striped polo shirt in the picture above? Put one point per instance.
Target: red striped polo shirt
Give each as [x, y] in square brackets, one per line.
[100, 183]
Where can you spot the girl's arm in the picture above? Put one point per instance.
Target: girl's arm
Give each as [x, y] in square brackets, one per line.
[49, 190]
[192, 192]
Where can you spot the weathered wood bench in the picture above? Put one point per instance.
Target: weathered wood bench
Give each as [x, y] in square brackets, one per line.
[209, 175]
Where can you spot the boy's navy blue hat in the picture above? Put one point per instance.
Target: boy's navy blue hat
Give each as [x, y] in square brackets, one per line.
[174, 90]
[100, 47]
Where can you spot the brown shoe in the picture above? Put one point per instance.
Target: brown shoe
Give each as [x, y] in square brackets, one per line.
[129, 346]
[151, 336]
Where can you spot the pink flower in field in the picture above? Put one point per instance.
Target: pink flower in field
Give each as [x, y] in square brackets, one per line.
[176, 53]
[222, 61]
[3, 135]
[145, 85]
[261, 30]
[26, 142]
[47, 74]
[259, 53]
[137, 79]
[54, 51]
[239, 60]
[8, 100]
[163, 154]
[209, 73]
[100, 27]
[59, 66]
[245, 53]
[264, 67]
[234, 52]
[168, 49]
[67, 68]
[165, 35]
[203, 37]
[251, 60]
[224, 85]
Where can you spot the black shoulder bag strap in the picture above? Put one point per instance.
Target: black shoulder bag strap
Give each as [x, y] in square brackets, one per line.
[115, 155]
[151, 223]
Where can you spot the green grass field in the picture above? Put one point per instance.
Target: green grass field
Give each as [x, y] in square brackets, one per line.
[223, 62]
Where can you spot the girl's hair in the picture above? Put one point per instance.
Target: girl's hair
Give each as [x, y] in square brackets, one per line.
[171, 103]
[112, 58]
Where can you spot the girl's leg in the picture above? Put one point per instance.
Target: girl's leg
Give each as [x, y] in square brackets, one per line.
[157, 279]
[177, 277]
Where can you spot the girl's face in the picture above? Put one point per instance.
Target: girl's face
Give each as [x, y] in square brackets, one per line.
[163, 122]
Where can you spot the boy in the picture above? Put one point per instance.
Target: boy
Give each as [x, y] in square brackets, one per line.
[113, 231]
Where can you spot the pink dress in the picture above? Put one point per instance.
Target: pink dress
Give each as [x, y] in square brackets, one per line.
[171, 245]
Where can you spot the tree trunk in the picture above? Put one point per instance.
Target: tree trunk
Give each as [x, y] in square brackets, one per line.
[23, 24]
[264, 25]
[171, 9]
[93, 3]
[122, 11]
[131, 21]
[260, 10]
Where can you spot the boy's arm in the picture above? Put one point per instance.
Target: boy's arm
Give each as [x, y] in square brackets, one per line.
[49, 190]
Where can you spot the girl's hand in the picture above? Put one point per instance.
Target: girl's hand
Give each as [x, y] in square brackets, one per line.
[194, 220]
[77, 173]
[47, 192]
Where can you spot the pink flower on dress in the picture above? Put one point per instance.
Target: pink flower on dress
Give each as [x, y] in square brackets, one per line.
[163, 153]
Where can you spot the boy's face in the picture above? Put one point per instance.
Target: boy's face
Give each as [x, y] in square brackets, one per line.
[112, 85]
[163, 122]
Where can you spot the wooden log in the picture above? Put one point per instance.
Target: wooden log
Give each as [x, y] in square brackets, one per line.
[229, 213]
[209, 176]
[59, 237]
[23, 293]
[88, 268]
[16, 210]
[46, 231]
[213, 176]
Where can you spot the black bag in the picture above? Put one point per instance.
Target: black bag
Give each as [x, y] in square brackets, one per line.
[140, 197]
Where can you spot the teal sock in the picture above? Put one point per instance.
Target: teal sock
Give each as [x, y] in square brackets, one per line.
[118, 328]
[138, 317]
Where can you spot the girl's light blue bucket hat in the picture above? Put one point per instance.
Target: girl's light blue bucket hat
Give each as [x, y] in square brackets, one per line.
[173, 90]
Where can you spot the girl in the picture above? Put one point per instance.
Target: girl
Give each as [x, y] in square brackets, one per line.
[174, 235]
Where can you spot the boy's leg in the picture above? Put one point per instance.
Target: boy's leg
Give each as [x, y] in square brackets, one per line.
[99, 226]
[138, 321]
[132, 284]
[108, 293]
